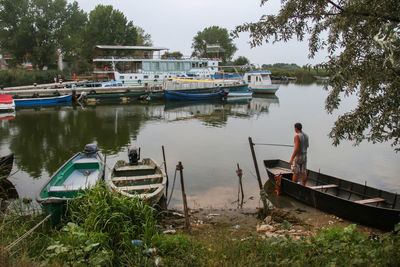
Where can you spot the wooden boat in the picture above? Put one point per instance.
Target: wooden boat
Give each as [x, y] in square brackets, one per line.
[6, 103]
[143, 179]
[172, 95]
[6, 164]
[79, 173]
[41, 101]
[349, 200]
[260, 82]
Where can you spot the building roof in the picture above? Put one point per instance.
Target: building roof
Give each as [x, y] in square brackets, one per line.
[130, 47]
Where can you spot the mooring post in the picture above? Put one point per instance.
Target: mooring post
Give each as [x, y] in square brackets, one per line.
[179, 167]
[166, 172]
[239, 173]
[262, 191]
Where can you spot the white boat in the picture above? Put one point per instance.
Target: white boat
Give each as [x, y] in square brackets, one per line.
[201, 86]
[260, 82]
[144, 65]
[6, 103]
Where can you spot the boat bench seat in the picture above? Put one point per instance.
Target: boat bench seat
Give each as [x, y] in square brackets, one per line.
[136, 178]
[140, 187]
[325, 186]
[370, 200]
[61, 188]
[280, 170]
[134, 168]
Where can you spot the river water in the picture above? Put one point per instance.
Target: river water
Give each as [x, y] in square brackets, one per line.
[210, 139]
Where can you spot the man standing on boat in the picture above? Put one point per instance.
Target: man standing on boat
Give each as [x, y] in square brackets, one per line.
[299, 156]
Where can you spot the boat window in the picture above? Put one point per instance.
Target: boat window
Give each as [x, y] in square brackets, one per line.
[135, 77]
[130, 77]
[145, 77]
[121, 77]
[156, 76]
[249, 78]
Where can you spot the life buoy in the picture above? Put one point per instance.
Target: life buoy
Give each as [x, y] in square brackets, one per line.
[139, 82]
[155, 80]
[106, 68]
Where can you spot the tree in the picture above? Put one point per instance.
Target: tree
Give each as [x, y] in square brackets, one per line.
[213, 41]
[109, 27]
[36, 29]
[16, 29]
[362, 39]
[240, 61]
[143, 38]
[176, 54]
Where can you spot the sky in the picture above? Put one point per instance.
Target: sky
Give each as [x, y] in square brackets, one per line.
[174, 23]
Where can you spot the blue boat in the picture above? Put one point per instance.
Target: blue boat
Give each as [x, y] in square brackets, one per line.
[41, 101]
[172, 95]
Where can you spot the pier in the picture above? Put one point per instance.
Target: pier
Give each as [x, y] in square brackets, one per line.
[68, 88]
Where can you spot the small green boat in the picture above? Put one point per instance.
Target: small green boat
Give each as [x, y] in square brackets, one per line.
[79, 173]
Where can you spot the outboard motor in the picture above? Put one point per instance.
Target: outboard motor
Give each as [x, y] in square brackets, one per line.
[90, 149]
[133, 155]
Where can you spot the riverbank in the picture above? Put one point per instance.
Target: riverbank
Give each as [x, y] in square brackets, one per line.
[118, 231]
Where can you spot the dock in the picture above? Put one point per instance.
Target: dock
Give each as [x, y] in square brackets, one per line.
[68, 88]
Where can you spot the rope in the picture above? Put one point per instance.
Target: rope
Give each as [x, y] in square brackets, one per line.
[10, 246]
[172, 191]
[261, 144]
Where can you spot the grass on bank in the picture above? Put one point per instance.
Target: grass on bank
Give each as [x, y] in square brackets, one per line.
[99, 228]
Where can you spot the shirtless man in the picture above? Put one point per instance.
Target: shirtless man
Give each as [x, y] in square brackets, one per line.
[299, 156]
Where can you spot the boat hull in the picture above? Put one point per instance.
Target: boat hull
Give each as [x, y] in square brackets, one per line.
[41, 101]
[78, 174]
[180, 96]
[146, 180]
[340, 200]
[6, 164]
[271, 90]
[116, 97]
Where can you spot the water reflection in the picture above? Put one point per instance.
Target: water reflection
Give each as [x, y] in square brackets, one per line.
[44, 138]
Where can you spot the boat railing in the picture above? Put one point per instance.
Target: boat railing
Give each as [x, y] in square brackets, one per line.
[121, 58]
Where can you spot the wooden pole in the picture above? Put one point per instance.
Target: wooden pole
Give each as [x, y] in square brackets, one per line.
[239, 173]
[179, 167]
[262, 191]
[166, 172]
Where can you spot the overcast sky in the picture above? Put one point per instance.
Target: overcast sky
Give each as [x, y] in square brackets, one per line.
[174, 23]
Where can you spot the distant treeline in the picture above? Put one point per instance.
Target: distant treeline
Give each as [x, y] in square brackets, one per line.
[302, 74]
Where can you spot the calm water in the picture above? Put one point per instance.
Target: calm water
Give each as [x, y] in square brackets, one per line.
[209, 139]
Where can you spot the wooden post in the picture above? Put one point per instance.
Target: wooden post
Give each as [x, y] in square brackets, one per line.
[179, 167]
[262, 191]
[166, 172]
[239, 173]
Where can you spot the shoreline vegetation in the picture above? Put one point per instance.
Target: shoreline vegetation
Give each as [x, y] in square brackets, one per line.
[102, 228]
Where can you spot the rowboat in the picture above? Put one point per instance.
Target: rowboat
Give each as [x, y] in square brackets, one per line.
[41, 101]
[6, 103]
[79, 173]
[143, 179]
[348, 200]
[172, 95]
[6, 164]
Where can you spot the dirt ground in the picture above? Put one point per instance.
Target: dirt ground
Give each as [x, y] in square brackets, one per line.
[288, 220]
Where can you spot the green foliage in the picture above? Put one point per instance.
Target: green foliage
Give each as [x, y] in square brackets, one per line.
[240, 61]
[363, 42]
[143, 37]
[176, 54]
[217, 37]
[76, 247]
[18, 77]
[284, 66]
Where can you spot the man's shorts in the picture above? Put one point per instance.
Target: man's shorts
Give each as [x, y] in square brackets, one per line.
[299, 164]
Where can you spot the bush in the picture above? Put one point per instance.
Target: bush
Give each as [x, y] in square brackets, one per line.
[18, 77]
